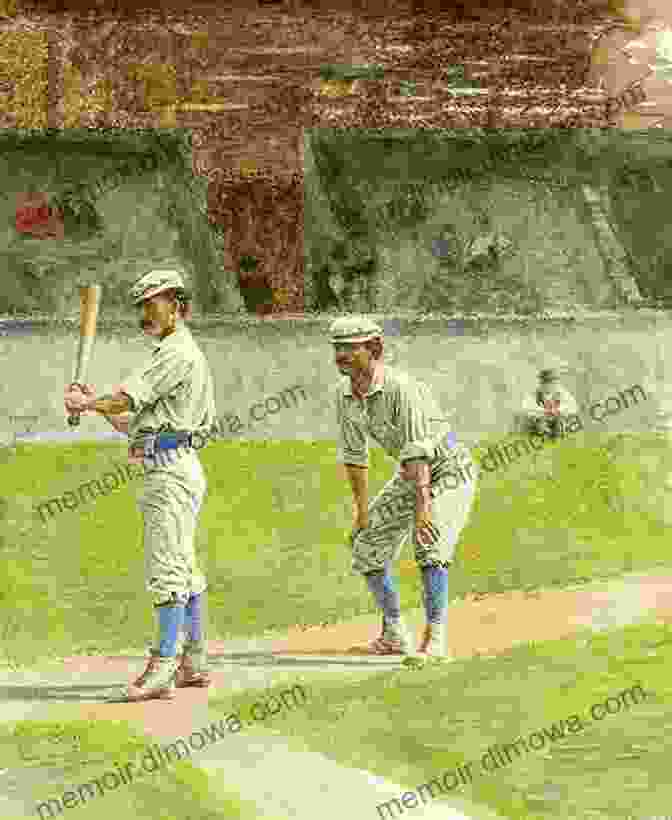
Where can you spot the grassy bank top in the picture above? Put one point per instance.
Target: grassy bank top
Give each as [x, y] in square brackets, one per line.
[400, 323]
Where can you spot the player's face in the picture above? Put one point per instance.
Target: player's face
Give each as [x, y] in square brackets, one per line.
[158, 315]
[351, 357]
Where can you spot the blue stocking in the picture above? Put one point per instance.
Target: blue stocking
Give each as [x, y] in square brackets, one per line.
[384, 589]
[171, 618]
[435, 582]
[193, 615]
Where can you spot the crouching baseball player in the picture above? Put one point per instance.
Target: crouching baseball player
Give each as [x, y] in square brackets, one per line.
[429, 497]
[169, 399]
[545, 412]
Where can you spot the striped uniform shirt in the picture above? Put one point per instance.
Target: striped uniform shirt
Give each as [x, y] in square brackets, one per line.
[173, 390]
[401, 415]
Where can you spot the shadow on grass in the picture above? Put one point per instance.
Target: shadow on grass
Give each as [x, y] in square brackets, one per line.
[61, 694]
[323, 658]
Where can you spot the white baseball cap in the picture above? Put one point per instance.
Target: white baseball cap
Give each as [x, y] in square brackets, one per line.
[156, 281]
[353, 329]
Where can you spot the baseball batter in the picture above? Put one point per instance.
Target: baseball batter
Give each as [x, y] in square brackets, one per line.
[428, 498]
[160, 407]
[547, 409]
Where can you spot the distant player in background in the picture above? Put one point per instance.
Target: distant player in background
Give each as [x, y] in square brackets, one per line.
[546, 410]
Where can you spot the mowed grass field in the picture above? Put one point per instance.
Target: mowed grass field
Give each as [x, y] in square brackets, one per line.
[578, 729]
[273, 537]
[62, 755]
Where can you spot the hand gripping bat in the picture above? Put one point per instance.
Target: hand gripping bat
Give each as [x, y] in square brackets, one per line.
[89, 296]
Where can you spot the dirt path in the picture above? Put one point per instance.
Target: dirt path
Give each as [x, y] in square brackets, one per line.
[488, 626]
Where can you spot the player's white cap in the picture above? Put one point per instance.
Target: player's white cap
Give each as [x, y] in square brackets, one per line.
[156, 281]
[353, 329]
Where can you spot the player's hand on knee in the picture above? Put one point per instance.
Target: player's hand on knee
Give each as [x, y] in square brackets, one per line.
[426, 531]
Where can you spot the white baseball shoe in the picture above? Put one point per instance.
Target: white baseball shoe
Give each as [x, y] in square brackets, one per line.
[432, 648]
[158, 681]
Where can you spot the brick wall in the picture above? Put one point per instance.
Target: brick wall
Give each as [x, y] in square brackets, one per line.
[246, 81]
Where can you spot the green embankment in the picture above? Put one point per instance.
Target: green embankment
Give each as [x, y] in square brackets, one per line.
[72, 764]
[580, 728]
[273, 537]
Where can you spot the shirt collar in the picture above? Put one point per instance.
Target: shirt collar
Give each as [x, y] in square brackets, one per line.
[376, 385]
[172, 339]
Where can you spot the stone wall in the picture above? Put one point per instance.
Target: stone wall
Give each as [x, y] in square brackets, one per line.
[550, 261]
[116, 210]
[530, 226]
[478, 369]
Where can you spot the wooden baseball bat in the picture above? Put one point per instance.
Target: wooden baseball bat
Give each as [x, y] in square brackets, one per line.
[89, 297]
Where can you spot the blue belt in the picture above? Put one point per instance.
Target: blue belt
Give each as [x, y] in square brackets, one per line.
[166, 441]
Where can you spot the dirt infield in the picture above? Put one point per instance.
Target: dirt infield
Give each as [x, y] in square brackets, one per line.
[77, 687]
[495, 624]
[484, 627]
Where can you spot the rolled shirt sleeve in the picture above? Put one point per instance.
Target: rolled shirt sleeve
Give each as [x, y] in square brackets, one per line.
[353, 444]
[159, 378]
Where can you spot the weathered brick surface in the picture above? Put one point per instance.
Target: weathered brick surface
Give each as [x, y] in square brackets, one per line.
[143, 65]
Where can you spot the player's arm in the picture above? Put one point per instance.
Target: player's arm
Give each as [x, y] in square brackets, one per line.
[353, 453]
[162, 376]
[82, 399]
[420, 417]
[111, 405]
[417, 410]
[120, 422]
[419, 471]
[359, 481]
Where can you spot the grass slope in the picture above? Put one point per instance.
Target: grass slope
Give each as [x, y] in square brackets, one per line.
[59, 756]
[415, 727]
[273, 537]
